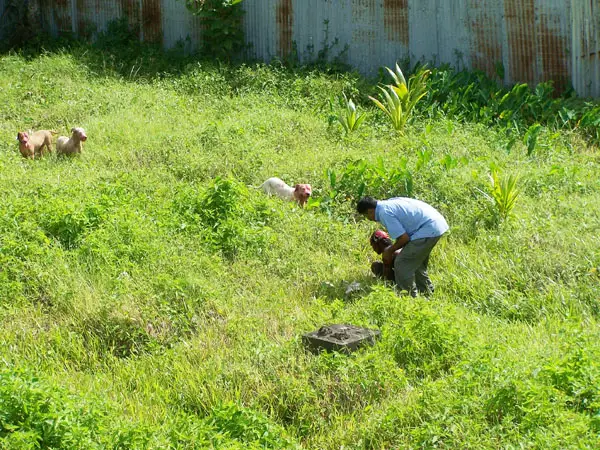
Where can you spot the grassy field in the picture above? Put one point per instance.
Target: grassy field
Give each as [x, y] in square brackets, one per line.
[151, 297]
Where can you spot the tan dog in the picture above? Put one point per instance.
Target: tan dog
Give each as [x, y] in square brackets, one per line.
[31, 144]
[72, 145]
[300, 193]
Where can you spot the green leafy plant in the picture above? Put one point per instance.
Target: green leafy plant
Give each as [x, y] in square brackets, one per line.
[224, 215]
[423, 343]
[400, 98]
[531, 136]
[449, 162]
[222, 33]
[423, 157]
[348, 116]
[248, 426]
[589, 123]
[503, 193]
[360, 178]
[392, 107]
[577, 375]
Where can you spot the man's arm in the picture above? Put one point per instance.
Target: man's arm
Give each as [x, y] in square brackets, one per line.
[388, 253]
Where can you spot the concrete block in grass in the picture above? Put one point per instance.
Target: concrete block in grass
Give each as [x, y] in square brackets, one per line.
[339, 337]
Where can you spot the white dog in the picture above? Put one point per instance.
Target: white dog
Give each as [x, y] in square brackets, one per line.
[72, 145]
[300, 193]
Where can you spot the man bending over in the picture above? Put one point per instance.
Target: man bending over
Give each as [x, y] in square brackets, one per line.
[416, 227]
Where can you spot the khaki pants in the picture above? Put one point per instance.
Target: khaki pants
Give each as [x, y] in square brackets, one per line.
[410, 266]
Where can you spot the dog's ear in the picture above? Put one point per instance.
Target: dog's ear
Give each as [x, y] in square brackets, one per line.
[297, 188]
[18, 136]
[72, 130]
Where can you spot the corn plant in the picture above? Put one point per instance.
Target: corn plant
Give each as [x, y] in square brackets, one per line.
[503, 193]
[400, 98]
[348, 116]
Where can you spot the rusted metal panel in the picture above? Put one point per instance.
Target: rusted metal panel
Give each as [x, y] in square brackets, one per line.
[260, 29]
[3, 19]
[485, 28]
[151, 23]
[453, 34]
[520, 27]
[585, 27]
[395, 20]
[57, 16]
[92, 16]
[285, 23]
[517, 40]
[423, 30]
[553, 43]
[179, 25]
[364, 33]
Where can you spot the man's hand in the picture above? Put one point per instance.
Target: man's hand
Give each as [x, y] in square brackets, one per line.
[388, 253]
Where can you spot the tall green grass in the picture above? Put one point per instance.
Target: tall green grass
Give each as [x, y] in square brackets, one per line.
[152, 297]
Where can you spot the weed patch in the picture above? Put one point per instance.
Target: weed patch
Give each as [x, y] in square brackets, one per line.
[225, 218]
[151, 270]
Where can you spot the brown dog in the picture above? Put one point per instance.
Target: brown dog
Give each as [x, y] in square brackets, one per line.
[31, 145]
[72, 145]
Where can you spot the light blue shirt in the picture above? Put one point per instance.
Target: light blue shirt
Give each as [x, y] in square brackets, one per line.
[406, 215]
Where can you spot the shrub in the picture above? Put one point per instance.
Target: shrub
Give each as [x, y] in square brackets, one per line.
[360, 178]
[224, 215]
[423, 343]
[248, 426]
[578, 376]
[35, 415]
[115, 334]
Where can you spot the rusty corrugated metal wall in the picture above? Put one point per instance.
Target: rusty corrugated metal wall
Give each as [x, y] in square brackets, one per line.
[586, 47]
[515, 40]
[159, 21]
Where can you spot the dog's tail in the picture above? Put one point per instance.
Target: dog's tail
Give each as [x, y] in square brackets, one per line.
[251, 186]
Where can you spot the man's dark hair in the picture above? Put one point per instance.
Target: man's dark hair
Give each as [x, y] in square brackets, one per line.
[366, 203]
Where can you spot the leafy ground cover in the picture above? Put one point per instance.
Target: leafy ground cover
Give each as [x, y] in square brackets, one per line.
[152, 297]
